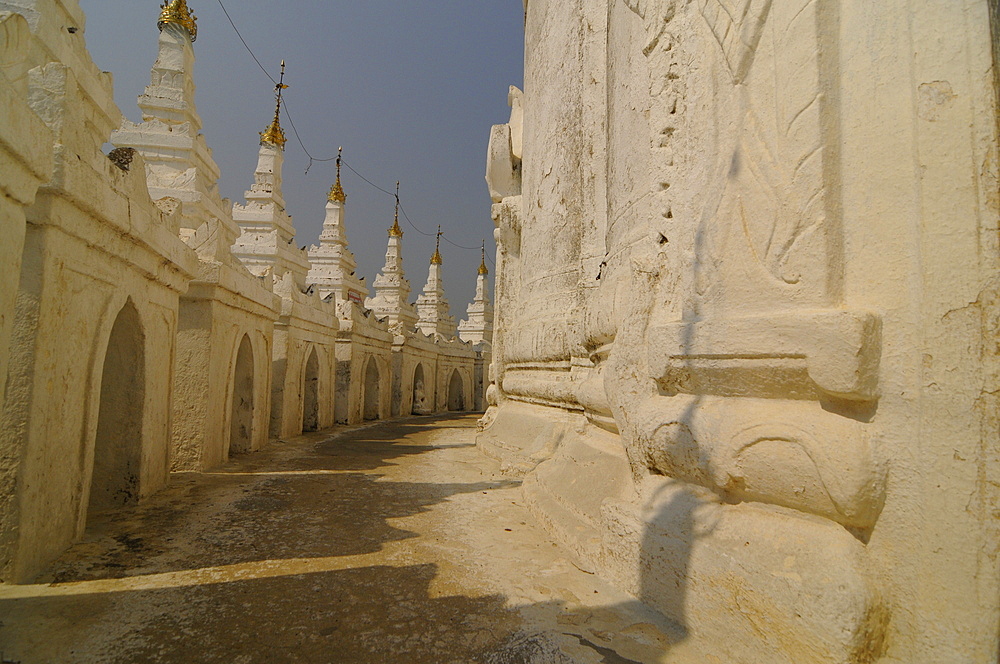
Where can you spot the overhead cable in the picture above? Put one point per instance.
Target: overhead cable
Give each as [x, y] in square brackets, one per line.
[313, 159]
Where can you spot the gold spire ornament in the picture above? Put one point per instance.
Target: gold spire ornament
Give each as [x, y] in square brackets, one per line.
[177, 12]
[273, 134]
[396, 231]
[482, 266]
[436, 258]
[337, 194]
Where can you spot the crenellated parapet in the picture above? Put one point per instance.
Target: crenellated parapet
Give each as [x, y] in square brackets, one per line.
[267, 235]
[433, 311]
[179, 163]
[333, 265]
[392, 288]
[478, 327]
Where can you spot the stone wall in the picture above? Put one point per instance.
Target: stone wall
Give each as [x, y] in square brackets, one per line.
[26, 161]
[414, 374]
[304, 362]
[363, 341]
[215, 318]
[222, 381]
[745, 304]
[455, 373]
[133, 341]
[86, 413]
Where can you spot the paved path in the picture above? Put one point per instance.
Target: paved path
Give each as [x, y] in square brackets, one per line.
[396, 542]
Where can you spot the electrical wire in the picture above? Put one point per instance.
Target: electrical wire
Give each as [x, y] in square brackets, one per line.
[414, 226]
[249, 50]
[351, 168]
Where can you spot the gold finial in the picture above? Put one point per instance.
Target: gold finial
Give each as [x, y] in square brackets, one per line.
[482, 266]
[273, 133]
[176, 11]
[436, 258]
[337, 194]
[396, 231]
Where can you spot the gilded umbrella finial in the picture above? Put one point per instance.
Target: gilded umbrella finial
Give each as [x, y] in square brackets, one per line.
[396, 231]
[436, 258]
[337, 194]
[178, 13]
[482, 266]
[273, 134]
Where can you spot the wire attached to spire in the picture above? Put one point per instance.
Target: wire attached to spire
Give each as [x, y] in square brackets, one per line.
[279, 85]
[273, 134]
[482, 264]
[396, 231]
[436, 258]
[337, 194]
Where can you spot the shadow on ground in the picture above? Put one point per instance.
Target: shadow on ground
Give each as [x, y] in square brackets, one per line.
[315, 497]
[370, 614]
[291, 555]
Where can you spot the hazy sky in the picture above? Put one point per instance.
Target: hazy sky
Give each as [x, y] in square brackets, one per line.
[409, 89]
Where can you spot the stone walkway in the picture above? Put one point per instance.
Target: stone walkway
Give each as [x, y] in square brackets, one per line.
[394, 542]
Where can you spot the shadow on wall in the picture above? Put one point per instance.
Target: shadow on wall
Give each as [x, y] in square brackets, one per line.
[665, 554]
[669, 529]
[649, 545]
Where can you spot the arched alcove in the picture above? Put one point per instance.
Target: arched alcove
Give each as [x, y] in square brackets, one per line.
[114, 480]
[242, 407]
[419, 391]
[371, 396]
[310, 393]
[456, 392]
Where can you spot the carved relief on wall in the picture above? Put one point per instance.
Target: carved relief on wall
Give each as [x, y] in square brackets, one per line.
[762, 390]
[764, 328]
[735, 367]
[754, 74]
[766, 235]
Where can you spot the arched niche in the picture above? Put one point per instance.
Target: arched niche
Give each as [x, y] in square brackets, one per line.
[114, 480]
[242, 405]
[419, 391]
[456, 392]
[310, 392]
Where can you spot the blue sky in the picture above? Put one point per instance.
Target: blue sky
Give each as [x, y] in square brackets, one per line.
[409, 89]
